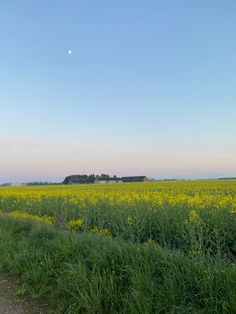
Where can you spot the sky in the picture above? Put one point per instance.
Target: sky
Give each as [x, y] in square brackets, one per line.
[148, 89]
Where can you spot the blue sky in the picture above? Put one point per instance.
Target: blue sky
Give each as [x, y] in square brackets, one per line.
[148, 89]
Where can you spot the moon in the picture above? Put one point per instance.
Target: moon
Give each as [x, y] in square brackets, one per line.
[69, 52]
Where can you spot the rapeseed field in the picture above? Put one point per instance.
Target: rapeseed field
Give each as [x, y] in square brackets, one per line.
[154, 247]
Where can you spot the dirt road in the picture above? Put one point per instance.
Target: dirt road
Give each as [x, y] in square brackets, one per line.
[11, 304]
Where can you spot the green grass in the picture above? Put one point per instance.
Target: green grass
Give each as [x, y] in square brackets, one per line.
[92, 274]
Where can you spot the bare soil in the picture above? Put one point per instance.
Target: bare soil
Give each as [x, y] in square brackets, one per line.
[10, 303]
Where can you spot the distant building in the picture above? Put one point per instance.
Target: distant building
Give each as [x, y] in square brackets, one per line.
[135, 179]
[103, 179]
[18, 184]
[107, 180]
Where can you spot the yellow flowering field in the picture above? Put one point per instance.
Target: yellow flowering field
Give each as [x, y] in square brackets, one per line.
[173, 214]
[154, 247]
[217, 193]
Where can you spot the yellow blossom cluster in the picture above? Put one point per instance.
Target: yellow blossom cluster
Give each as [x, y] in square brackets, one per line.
[18, 214]
[194, 217]
[101, 231]
[126, 200]
[76, 223]
[194, 194]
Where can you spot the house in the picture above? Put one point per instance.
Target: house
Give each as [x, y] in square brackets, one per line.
[107, 180]
[18, 184]
[101, 179]
[135, 179]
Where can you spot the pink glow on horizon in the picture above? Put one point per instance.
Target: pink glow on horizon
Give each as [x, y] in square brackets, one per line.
[55, 159]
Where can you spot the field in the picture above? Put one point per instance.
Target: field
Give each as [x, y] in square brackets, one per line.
[163, 247]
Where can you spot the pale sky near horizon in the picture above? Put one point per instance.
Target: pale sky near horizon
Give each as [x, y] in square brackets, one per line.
[148, 89]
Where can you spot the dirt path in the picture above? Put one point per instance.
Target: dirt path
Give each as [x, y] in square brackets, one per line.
[11, 304]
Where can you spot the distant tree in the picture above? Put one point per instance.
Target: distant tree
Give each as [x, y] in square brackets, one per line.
[41, 183]
[79, 179]
[105, 175]
[84, 178]
[6, 184]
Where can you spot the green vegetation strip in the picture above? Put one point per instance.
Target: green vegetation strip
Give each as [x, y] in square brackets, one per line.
[87, 273]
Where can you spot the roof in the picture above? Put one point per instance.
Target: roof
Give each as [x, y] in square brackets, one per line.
[133, 177]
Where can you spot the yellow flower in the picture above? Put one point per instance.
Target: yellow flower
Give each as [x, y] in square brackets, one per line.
[76, 224]
[103, 232]
[129, 220]
[194, 217]
[19, 214]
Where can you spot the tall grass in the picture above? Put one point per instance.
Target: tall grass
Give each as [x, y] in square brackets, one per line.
[92, 274]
